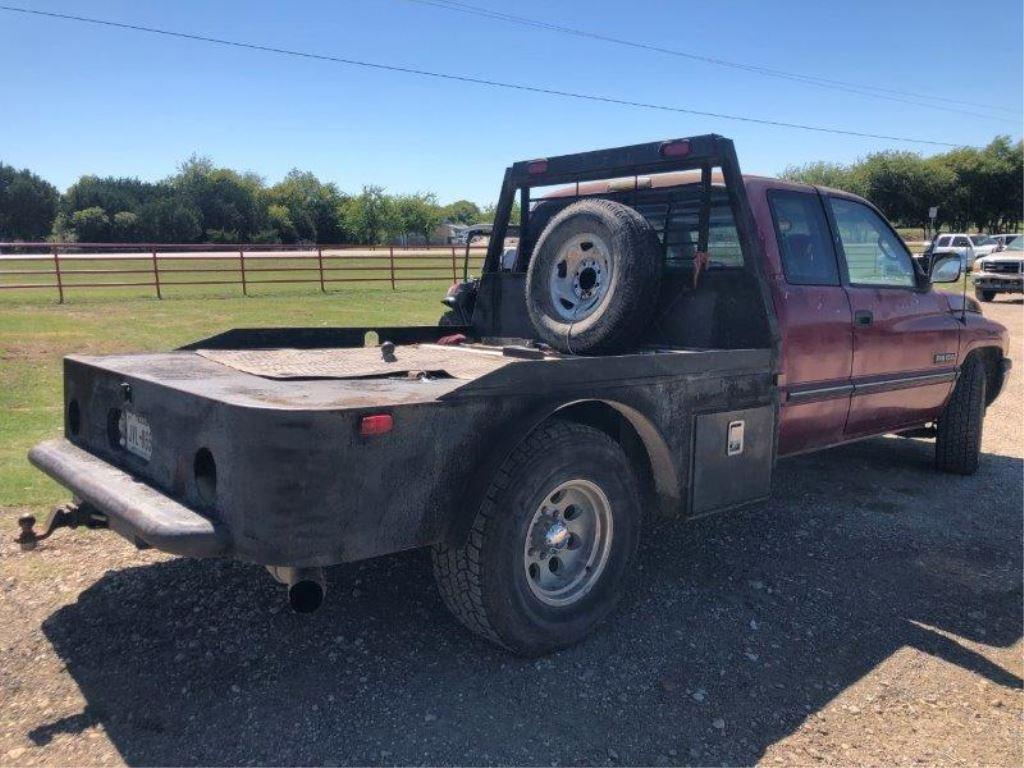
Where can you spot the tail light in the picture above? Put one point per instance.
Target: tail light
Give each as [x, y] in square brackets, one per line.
[377, 424]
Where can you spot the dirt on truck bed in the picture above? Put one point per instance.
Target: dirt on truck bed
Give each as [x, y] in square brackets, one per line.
[869, 614]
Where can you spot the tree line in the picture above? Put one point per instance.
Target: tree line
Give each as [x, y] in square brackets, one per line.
[980, 189]
[972, 188]
[204, 203]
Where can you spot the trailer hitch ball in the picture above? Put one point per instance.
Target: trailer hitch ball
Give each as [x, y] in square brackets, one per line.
[27, 537]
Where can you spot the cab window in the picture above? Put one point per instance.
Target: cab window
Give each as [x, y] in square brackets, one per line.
[805, 244]
[961, 242]
[682, 230]
[874, 253]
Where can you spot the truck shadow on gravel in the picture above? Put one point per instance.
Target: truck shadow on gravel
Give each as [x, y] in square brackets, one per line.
[735, 629]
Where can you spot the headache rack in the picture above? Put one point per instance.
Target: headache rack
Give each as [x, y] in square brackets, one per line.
[704, 154]
[696, 153]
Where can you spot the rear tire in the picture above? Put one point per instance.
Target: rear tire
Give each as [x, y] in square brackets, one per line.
[593, 280]
[958, 437]
[981, 295]
[564, 474]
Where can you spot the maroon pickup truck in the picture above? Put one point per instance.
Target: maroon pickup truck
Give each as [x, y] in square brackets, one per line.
[664, 331]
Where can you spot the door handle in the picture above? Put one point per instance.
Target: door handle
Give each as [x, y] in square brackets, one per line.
[863, 317]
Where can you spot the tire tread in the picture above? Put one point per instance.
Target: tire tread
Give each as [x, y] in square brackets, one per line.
[958, 436]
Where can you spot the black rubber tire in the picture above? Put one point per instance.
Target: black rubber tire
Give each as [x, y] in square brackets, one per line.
[449, 318]
[632, 293]
[958, 437]
[986, 296]
[483, 582]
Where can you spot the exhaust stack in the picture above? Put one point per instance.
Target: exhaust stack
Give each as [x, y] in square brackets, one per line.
[306, 586]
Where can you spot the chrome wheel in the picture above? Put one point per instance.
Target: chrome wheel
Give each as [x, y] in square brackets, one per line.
[567, 542]
[580, 276]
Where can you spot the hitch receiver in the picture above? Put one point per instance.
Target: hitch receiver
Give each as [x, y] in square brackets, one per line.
[66, 516]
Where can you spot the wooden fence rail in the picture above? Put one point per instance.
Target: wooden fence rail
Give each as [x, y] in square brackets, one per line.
[65, 267]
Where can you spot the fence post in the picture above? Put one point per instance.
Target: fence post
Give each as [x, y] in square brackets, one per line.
[56, 271]
[156, 276]
[391, 263]
[320, 265]
[241, 264]
[455, 276]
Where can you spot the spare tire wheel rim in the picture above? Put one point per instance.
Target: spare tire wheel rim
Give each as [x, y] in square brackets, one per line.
[568, 542]
[580, 276]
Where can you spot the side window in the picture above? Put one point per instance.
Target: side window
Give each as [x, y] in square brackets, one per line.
[874, 253]
[808, 257]
[943, 241]
[961, 242]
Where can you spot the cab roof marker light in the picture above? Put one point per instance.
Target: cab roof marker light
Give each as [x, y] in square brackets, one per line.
[537, 166]
[675, 148]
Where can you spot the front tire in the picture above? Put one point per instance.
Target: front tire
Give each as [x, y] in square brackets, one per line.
[986, 296]
[549, 550]
[958, 437]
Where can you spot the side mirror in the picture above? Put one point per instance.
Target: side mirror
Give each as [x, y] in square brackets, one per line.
[946, 270]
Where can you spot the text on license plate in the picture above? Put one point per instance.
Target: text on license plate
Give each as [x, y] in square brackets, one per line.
[137, 436]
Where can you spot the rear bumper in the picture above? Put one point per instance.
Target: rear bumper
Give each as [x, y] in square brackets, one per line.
[135, 510]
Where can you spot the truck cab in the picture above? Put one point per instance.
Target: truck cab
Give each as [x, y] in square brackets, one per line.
[868, 346]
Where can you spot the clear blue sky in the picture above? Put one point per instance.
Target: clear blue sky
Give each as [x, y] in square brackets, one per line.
[82, 99]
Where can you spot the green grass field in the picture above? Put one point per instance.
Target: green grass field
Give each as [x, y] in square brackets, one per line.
[36, 332]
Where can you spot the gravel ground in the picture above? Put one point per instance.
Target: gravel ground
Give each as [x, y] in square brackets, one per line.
[871, 613]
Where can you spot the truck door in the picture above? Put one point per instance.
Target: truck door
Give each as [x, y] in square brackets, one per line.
[814, 314]
[905, 339]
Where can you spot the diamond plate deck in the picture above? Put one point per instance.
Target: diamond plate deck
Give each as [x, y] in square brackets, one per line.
[359, 362]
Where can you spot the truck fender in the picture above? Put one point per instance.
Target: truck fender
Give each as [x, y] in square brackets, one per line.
[637, 434]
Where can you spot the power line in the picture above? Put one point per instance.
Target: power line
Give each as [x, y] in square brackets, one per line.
[467, 78]
[873, 91]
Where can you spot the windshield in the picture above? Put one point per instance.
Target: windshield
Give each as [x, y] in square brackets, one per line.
[1017, 244]
[982, 240]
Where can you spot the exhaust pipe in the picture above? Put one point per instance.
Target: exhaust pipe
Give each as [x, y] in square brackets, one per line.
[306, 586]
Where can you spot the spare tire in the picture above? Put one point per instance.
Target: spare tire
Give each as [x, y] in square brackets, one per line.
[592, 284]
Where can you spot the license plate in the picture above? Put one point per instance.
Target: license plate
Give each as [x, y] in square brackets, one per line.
[138, 438]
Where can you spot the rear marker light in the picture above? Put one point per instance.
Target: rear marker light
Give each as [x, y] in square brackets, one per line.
[678, 148]
[378, 424]
[537, 166]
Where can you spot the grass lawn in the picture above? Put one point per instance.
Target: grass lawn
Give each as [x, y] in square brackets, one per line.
[36, 332]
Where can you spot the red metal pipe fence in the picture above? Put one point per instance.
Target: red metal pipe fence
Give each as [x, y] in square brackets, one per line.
[65, 267]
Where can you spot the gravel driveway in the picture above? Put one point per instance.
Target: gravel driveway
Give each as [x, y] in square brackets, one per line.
[871, 613]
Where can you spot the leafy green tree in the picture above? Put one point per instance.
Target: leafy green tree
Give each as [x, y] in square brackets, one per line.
[28, 205]
[229, 203]
[418, 213]
[281, 222]
[91, 225]
[312, 206]
[903, 185]
[125, 227]
[823, 174]
[371, 216]
[462, 212]
[487, 214]
[109, 193]
[171, 220]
